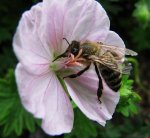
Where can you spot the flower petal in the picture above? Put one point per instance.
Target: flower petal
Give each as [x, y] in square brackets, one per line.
[29, 49]
[83, 90]
[44, 96]
[74, 20]
[92, 22]
[59, 118]
[53, 17]
[114, 39]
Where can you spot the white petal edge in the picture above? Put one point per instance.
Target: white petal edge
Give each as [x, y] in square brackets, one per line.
[92, 23]
[114, 39]
[29, 49]
[83, 91]
[44, 97]
[74, 20]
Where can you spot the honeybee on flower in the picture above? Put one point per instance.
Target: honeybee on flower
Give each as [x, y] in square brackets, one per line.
[39, 40]
[108, 62]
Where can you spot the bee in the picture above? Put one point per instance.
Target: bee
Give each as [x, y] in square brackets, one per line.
[109, 62]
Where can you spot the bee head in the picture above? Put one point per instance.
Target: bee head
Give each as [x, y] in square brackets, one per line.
[74, 47]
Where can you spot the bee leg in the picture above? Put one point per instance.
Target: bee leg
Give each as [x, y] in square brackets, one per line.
[100, 85]
[60, 56]
[78, 74]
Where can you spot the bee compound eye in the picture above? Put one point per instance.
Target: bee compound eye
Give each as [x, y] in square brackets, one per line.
[74, 50]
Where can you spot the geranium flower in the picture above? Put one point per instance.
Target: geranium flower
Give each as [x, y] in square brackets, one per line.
[38, 40]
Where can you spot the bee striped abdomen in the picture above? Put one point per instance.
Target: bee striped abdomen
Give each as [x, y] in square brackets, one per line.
[111, 77]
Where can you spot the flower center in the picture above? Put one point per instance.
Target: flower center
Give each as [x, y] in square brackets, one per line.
[66, 64]
[56, 66]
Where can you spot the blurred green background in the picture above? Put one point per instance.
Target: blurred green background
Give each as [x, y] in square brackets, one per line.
[131, 20]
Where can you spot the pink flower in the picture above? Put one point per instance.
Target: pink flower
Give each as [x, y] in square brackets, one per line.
[38, 39]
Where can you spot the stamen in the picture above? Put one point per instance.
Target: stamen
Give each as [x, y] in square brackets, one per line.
[72, 57]
[79, 54]
[75, 60]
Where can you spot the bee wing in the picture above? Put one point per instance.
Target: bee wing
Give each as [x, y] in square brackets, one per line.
[126, 68]
[114, 64]
[117, 49]
[130, 52]
[118, 67]
[109, 63]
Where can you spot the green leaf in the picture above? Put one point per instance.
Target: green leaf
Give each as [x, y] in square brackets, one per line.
[140, 34]
[7, 56]
[128, 98]
[83, 127]
[110, 131]
[142, 12]
[13, 117]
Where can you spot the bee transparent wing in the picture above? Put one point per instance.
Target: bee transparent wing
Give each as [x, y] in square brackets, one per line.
[118, 67]
[126, 67]
[107, 61]
[130, 52]
[119, 50]
[113, 63]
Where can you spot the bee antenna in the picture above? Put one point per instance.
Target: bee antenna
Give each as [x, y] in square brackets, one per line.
[66, 41]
